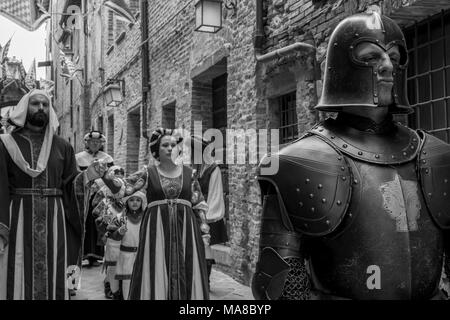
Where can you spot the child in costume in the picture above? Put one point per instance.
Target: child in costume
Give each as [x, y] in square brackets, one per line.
[108, 208]
[125, 228]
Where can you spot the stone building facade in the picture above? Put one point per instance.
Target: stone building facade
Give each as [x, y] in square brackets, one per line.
[219, 80]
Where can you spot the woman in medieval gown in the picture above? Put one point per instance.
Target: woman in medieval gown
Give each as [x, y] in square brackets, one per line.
[170, 262]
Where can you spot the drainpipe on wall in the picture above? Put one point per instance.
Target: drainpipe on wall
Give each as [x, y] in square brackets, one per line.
[85, 86]
[146, 86]
[259, 41]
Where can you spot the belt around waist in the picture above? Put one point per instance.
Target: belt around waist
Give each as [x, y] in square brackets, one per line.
[169, 202]
[128, 249]
[42, 192]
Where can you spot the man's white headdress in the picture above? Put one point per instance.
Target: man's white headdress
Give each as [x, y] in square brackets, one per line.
[18, 116]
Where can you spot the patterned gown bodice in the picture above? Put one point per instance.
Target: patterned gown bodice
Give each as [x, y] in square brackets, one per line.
[161, 187]
[171, 186]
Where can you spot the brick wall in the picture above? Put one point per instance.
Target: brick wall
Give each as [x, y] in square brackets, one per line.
[119, 59]
[69, 99]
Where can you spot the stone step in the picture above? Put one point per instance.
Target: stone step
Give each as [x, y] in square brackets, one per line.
[221, 254]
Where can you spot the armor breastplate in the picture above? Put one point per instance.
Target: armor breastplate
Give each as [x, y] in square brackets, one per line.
[388, 230]
[388, 246]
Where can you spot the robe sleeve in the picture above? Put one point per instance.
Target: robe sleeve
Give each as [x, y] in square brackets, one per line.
[199, 207]
[73, 180]
[113, 230]
[4, 195]
[216, 204]
[125, 187]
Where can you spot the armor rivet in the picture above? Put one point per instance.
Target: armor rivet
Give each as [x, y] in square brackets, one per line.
[350, 215]
[344, 178]
[298, 190]
[356, 34]
[377, 156]
[339, 158]
[339, 202]
[375, 73]
[414, 140]
[445, 180]
[424, 161]
[311, 196]
[328, 222]
[355, 181]
[307, 181]
[375, 95]
[430, 194]
[344, 146]
[424, 152]
[287, 243]
[360, 153]
[324, 200]
[332, 137]
[445, 194]
[301, 204]
[329, 68]
[393, 157]
[351, 47]
[366, 63]
[412, 147]
[377, 40]
[335, 44]
[313, 209]
[306, 225]
[395, 95]
[320, 186]
[427, 171]
[404, 153]
[343, 168]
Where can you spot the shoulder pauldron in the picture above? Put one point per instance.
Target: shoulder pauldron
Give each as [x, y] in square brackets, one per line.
[434, 171]
[314, 182]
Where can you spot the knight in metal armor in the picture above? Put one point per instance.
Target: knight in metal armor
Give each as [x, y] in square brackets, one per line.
[360, 205]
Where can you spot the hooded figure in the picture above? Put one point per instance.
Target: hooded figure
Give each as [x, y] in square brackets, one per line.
[40, 224]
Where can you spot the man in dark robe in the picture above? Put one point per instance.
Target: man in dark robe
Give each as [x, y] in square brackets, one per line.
[40, 224]
[93, 248]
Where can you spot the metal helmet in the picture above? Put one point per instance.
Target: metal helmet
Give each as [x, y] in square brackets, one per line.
[350, 82]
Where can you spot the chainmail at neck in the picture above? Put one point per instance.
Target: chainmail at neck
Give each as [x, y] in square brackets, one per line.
[366, 124]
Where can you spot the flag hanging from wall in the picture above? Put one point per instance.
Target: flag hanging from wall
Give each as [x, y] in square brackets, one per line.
[68, 68]
[47, 85]
[121, 9]
[29, 14]
[30, 79]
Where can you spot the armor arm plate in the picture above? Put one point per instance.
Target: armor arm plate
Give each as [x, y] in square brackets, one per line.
[280, 270]
[434, 171]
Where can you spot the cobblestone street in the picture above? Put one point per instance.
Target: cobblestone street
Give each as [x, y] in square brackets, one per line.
[223, 287]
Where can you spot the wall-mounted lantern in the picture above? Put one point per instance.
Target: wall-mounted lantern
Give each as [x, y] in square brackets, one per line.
[114, 92]
[208, 14]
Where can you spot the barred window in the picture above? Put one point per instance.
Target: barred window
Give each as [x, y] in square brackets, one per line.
[110, 141]
[168, 116]
[288, 117]
[428, 45]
